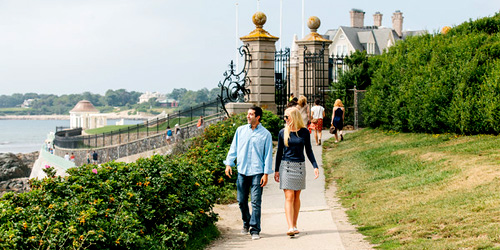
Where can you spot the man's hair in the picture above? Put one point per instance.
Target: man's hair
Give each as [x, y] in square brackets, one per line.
[258, 111]
[317, 101]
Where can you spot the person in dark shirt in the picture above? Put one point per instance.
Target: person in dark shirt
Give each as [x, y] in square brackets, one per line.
[290, 169]
[94, 157]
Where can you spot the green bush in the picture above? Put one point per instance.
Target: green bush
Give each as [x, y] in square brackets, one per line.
[439, 83]
[160, 202]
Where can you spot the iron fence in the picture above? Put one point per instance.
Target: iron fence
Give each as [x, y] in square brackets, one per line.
[73, 138]
[281, 79]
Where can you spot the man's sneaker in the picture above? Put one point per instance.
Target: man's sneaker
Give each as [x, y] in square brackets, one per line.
[244, 230]
[255, 236]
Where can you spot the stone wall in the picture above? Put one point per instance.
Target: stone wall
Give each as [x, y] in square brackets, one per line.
[113, 152]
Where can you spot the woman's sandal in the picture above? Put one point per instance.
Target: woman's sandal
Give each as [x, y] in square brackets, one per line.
[290, 232]
[296, 230]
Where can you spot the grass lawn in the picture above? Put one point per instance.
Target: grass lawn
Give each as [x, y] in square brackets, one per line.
[161, 127]
[419, 191]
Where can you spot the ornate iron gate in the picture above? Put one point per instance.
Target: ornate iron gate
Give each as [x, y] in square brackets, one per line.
[316, 82]
[234, 86]
[281, 79]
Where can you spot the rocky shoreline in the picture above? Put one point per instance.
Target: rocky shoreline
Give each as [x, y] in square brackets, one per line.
[15, 170]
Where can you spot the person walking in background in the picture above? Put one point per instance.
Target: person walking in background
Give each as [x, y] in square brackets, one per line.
[94, 157]
[66, 156]
[317, 113]
[290, 169]
[72, 157]
[338, 119]
[88, 157]
[200, 123]
[168, 134]
[252, 148]
[177, 132]
[292, 103]
[304, 109]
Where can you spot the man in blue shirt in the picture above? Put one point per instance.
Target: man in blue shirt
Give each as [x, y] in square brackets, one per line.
[252, 146]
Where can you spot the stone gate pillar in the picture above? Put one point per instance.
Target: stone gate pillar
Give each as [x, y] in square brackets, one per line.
[261, 70]
[314, 43]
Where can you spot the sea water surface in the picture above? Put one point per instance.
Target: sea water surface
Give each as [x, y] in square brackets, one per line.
[25, 136]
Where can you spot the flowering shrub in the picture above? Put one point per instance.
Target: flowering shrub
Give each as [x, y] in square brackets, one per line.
[49, 171]
[153, 203]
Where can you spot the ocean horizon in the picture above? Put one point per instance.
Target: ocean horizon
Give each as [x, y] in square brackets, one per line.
[26, 136]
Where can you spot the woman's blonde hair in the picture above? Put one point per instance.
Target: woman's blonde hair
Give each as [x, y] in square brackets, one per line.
[297, 123]
[302, 101]
[338, 103]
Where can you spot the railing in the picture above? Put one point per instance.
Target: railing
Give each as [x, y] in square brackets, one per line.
[184, 118]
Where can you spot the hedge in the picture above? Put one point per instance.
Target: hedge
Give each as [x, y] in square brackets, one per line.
[439, 83]
[153, 203]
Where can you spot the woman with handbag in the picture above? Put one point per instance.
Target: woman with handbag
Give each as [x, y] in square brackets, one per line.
[317, 113]
[290, 169]
[338, 119]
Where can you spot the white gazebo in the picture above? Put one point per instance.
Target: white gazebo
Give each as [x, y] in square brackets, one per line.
[84, 115]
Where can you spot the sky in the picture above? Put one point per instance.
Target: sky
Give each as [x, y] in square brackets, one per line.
[70, 47]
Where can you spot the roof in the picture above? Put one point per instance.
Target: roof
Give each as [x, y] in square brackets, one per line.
[359, 37]
[84, 106]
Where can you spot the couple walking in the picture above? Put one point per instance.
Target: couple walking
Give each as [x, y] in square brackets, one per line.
[252, 148]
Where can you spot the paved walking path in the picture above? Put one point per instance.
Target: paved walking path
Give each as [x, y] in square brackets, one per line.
[318, 229]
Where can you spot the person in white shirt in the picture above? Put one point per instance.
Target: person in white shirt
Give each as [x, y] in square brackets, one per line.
[317, 114]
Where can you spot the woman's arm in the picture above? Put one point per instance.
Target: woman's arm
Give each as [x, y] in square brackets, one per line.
[279, 155]
[304, 133]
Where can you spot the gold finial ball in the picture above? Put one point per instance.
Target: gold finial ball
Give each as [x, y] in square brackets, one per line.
[445, 30]
[313, 23]
[259, 19]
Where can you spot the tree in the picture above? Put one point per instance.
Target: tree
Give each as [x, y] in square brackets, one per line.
[359, 73]
[177, 93]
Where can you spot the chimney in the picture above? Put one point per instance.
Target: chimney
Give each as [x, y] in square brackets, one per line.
[357, 18]
[377, 19]
[397, 22]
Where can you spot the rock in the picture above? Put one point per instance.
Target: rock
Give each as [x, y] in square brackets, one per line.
[12, 167]
[29, 158]
[17, 185]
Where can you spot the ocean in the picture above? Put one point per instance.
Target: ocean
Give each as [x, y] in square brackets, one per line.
[25, 136]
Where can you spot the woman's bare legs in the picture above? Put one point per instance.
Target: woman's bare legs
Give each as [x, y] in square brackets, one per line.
[296, 207]
[289, 207]
[319, 139]
[316, 136]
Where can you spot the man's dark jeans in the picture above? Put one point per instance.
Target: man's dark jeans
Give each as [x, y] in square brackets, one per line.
[246, 185]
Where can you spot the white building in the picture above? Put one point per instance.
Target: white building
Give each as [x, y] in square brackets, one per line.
[84, 115]
[148, 95]
[372, 39]
[27, 103]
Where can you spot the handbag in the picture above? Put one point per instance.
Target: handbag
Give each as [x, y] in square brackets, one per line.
[333, 130]
[314, 120]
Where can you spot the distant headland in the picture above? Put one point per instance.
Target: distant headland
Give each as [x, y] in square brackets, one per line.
[120, 115]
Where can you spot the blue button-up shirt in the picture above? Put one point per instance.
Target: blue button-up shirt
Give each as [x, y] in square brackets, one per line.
[253, 150]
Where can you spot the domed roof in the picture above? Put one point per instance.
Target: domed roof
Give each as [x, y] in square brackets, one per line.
[84, 106]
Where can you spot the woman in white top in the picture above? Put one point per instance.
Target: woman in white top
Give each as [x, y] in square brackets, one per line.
[317, 113]
[303, 107]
